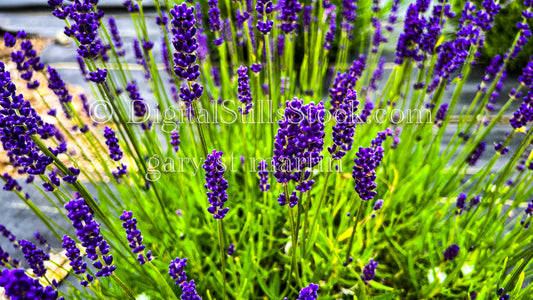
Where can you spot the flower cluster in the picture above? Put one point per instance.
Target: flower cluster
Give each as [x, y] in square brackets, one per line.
[216, 184]
[299, 142]
[26, 58]
[112, 142]
[344, 129]
[289, 10]
[366, 163]
[116, 37]
[184, 42]
[476, 154]
[177, 273]
[369, 271]
[330, 34]
[34, 256]
[293, 199]
[18, 124]
[88, 232]
[344, 82]
[441, 114]
[18, 285]
[245, 96]
[214, 20]
[264, 8]
[349, 14]
[309, 292]
[524, 114]
[263, 176]
[175, 140]
[135, 238]
[86, 21]
[74, 255]
[139, 105]
[451, 252]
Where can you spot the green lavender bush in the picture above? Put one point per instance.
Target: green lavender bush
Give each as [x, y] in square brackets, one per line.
[266, 162]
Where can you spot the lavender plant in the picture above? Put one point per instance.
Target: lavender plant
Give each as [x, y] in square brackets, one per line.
[272, 150]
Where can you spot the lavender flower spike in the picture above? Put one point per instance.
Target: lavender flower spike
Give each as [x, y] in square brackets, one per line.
[369, 271]
[263, 175]
[344, 129]
[112, 142]
[176, 271]
[366, 163]
[309, 292]
[245, 96]
[135, 239]
[289, 15]
[34, 256]
[216, 184]
[88, 231]
[451, 252]
[18, 285]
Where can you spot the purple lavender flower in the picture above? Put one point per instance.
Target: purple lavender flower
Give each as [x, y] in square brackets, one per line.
[309, 293]
[175, 140]
[216, 184]
[18, 124]
[131, 6]
[84, 28]
[451, 252]
[27, 61]
[264, 8]
[369, 271]
[35, 257]
[306, 18]
[60, 11]
[409, 42]
[293, 199]
[214, 16]
[245, 96]
[476, 154]
[524, 114]
[176, 271]
[263, 176]
[231, 249]
[349, 14]
[330, 35]
[139, 105]
[189, 291]
[5, 259]
[441, 114]
[116, 37]
[8, 235]
[18, 285]
[57, 85]
[376, 75]
[99, 76]
[135, 239]
[88, 232]
[529, 213]
[11, 184]
[393, 17]
[256, 68]
[112, 142]
[366, 163]
[344, 129]
[289, 15]
[9, 40]
[183, 21]
[461, 202]
[346, 81]
[378, 204]
[74, 255]
[499, 148]
[299, 142]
